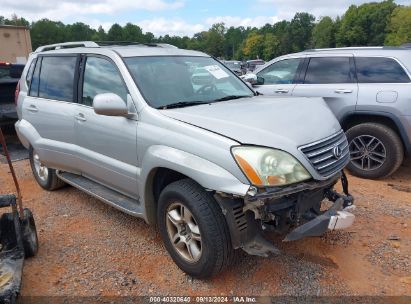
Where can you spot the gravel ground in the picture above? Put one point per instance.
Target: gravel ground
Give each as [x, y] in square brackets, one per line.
[88, 248]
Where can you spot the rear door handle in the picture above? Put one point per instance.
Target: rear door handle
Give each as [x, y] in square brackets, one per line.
[282, 91]
[80, 117]
[32, 108]
[343, 91]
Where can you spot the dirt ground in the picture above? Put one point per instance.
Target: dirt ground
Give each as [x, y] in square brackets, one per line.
[88, 248]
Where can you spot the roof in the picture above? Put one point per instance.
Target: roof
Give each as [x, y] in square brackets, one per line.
[373, 50]
[20, 27]
[124, 49]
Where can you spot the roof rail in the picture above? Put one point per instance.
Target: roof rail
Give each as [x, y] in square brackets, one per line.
[66, 45]
[126, 43]
[345, 48]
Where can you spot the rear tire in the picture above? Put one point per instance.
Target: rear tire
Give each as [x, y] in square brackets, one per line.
[183, 204]
[368, 138]
[45, 177]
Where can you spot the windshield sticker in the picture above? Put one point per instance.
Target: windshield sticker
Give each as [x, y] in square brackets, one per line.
[216, 71]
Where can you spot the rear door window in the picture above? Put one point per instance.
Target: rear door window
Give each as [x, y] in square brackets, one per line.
[380, 70]
[57, 78]
[323, 70]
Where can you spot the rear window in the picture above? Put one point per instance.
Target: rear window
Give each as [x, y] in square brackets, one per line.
[5, 72]
[322, 70]
[55, 78]
[380, 70]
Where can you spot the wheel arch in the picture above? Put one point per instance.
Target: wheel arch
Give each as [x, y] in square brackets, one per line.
[355, 118]
[163, 165]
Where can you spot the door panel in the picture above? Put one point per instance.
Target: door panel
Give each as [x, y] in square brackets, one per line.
[50, 108]
[107, 145]
[332, 78]
[108, 149]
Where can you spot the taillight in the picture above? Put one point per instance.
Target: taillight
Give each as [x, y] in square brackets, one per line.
[16, 93]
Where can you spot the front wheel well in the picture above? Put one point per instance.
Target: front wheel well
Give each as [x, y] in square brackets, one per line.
[157, 180]
[357, 119]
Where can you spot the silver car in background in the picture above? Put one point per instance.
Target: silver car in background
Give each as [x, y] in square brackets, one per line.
[174, 137]
[369, 91]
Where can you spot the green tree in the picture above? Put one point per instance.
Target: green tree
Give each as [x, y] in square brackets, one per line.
[270, 46]
[46, 31]
[365, 24]
[399, 27]
[300, 31]
[253, 45]
[99, 35]
[132, 32]
[79, 32]
[214, 40]
[115, 33]
[324, 33]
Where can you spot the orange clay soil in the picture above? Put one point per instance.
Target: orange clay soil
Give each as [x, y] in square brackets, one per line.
[88, 249]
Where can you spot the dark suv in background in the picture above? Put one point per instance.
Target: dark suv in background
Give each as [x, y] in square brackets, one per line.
[369, 91]
[9, 78]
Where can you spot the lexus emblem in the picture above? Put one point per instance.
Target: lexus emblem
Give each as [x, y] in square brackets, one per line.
[337, 152]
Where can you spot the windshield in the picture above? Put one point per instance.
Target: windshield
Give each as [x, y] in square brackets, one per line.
[167, 80]
[233, 64]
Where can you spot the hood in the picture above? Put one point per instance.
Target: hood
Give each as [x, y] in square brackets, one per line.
[263, 120]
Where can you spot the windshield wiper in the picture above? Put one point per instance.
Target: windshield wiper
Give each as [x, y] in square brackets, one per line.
[230, 97]
[181, 104]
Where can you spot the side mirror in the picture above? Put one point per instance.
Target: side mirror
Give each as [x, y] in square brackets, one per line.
[109, 104]
[250, 78]
[253, 79]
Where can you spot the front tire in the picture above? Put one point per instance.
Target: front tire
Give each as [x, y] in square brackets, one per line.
[376, 150]
[45, 177]
[30, 239]
[193, 229]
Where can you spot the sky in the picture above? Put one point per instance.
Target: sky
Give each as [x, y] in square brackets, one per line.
[173, 17]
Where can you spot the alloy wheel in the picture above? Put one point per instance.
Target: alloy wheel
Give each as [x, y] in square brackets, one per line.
[184, 232]
[367, 152]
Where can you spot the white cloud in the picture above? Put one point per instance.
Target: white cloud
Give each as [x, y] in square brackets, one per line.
[286, 9]
[257, 21]
[62, 10]
[162, 26]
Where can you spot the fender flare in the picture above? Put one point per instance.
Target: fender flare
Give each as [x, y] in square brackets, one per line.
[393, 118]
[204, 172]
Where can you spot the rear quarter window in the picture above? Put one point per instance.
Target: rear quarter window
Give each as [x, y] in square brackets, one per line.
[380, 70]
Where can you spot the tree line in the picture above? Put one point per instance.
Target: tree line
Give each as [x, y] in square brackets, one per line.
[369, 24]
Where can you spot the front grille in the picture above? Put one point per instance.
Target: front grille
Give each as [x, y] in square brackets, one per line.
[324, 154]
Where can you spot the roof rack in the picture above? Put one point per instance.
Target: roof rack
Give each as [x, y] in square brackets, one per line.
[126, 43]
[68, 45]
[345, 48]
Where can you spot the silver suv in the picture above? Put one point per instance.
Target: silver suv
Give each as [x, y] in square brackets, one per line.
[176, 138]
[369, 91]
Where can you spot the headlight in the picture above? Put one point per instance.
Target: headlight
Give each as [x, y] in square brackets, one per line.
[269, 167]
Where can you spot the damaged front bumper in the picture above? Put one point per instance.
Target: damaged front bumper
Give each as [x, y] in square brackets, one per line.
[296, 207]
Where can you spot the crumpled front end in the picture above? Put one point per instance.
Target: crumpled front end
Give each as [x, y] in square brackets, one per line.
[297, 210]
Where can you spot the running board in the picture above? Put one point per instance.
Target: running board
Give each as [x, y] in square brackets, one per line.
[106, 195]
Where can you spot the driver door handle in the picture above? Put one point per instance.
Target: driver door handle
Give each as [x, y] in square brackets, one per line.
[282, 91]
[80, 117]
[343, 91]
